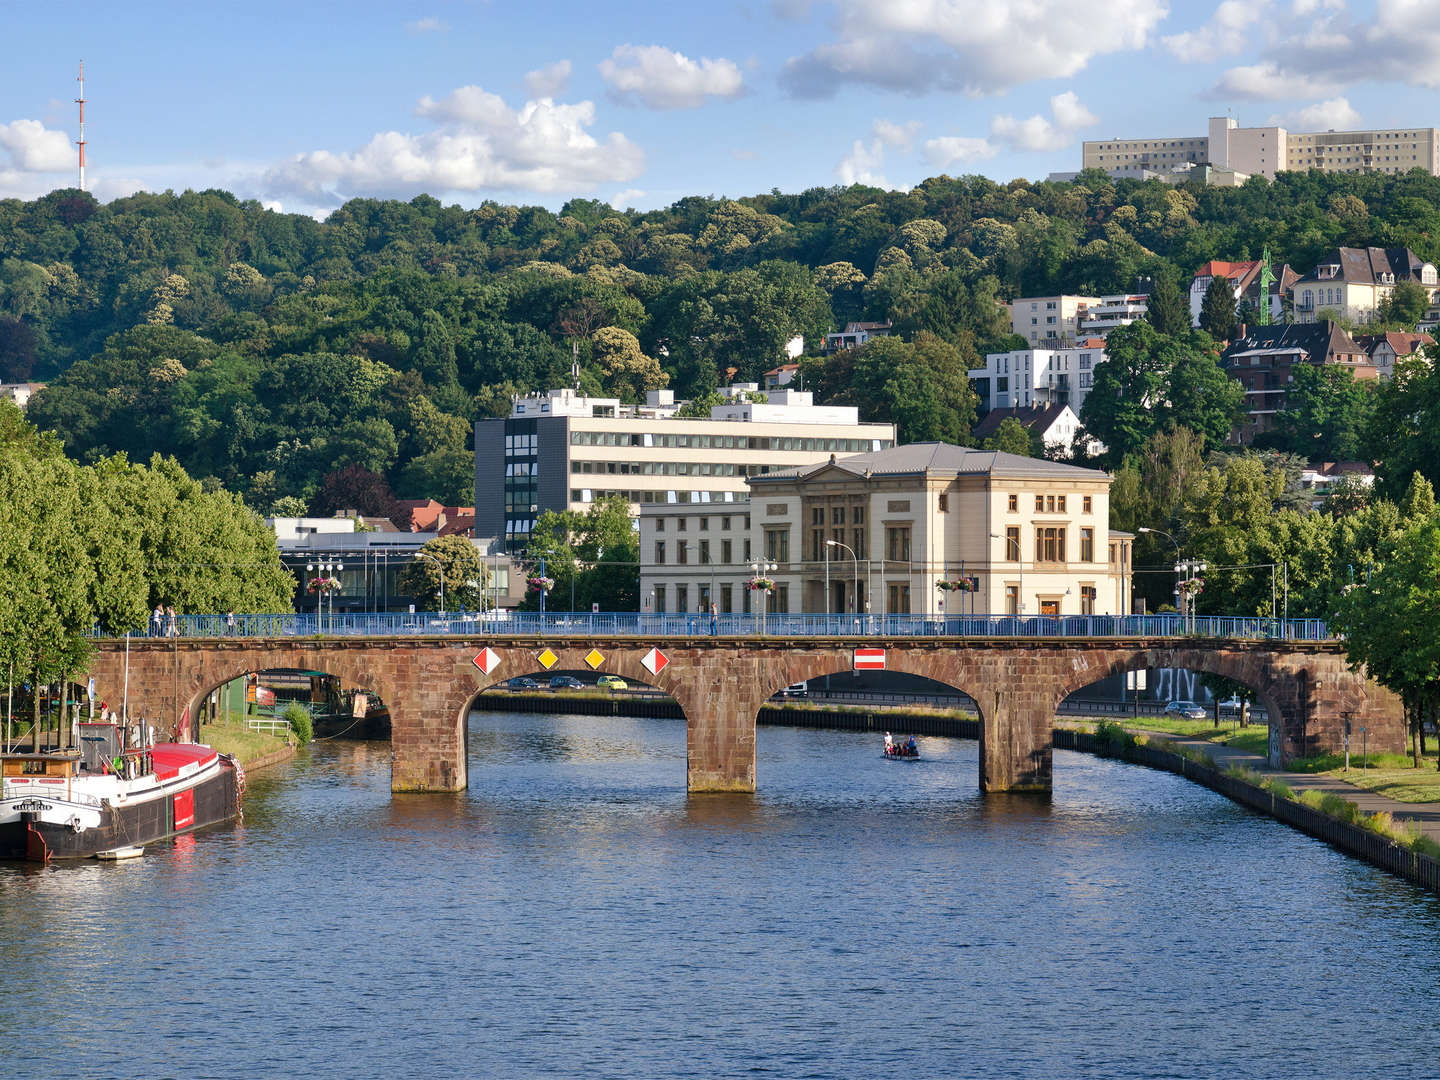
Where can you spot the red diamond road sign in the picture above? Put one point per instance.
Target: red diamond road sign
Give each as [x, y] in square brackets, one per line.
[869, 659]
[654, 661]
[487, 660]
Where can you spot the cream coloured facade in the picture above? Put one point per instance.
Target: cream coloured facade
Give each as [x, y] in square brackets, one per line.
[1050, 321]
[563, 450]
[888, 526]
[1264, 151]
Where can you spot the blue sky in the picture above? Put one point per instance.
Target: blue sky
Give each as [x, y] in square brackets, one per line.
[304, 104]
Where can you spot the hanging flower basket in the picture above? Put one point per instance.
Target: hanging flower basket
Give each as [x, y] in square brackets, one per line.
[965, 584]
[323, 585]
[544, 584]
[1193, 587]
[760, 584]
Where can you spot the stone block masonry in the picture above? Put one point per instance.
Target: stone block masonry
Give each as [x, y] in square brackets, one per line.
[429, 685]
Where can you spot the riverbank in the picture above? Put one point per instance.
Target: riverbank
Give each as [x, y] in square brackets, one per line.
[252, 749]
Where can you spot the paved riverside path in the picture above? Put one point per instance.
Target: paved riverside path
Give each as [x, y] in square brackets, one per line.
[1426, 815]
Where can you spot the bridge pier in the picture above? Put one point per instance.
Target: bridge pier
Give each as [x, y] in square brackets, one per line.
[721, 698]
[1017, 742]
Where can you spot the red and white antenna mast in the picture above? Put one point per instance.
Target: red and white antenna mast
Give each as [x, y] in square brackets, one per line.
[80, 142]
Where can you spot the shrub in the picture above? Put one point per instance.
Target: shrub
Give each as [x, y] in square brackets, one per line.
[1111, 738]
[300, 724]
[1278, 787]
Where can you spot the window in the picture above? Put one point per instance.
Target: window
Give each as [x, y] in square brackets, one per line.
[897, 544]
[1050, 504]
[837, 515]
[1087, 545]
[704, 552]
[705, 524]
[682, 597]
[782, 598]
[659, 552]
[1039, 503]
[899, 600]
[1087, 599]
[777, 545]
[1012, 600]
[680, 524]
[1050, 544]
[659, 524]
[1086, 504]
[857, 515]
[1060, 503]
[726, 553]
[724, 524]
[682, 553]
[1014, 503]
[817, 515]
[944, 503]
[659, 597]
[1012, 543]
[726, 601]
[857, 543]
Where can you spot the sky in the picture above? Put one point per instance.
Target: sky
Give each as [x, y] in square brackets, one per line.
[639, 103]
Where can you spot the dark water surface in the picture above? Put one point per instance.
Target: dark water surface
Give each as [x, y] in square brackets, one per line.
[575, 914]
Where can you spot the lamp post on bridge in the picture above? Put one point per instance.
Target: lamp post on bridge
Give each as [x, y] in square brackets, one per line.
[441, 566]
[1020, 563]
[323, 587]
[855, 561]
[1179, 596]
[763, 570]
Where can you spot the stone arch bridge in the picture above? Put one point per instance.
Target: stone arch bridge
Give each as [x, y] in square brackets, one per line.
[430, 683]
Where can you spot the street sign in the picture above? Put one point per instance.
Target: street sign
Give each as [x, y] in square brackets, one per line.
[547, 659]
[595, 609]
[654, 661]
[487, 660]
[869, 659]
[91, 689]
[594, 658]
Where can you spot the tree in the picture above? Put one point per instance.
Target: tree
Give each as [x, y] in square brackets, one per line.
[1201, 396]
[1011, 437]
[1402, 435]
[593, 557]
[1326, 410]
[626, 371]
[922, 387]
[1122, 409]
[453, 560]
[357, 489]
[1406, 304]
[1391, 624]
[1217, 310]
[1166, 309]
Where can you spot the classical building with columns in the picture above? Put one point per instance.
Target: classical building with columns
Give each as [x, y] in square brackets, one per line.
[880, 532]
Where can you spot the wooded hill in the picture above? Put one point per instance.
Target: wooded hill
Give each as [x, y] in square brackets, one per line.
[268, 351]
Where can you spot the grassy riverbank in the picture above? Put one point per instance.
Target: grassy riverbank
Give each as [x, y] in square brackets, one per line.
[1254, 739]
[229, 736]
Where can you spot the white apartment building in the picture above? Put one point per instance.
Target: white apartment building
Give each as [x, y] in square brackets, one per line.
[1111, 311]
[562, 450]
[1049, 321]
[882, 530]
[1264, 151]
[1024, 378]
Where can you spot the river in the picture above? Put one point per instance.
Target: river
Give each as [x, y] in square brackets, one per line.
[574, 914]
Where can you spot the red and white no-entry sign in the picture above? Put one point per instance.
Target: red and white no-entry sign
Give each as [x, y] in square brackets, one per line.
[654, 661]
[487, 660]
[869, 659]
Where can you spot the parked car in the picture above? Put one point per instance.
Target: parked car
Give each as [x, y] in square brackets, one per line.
[795, 689]
[1190, 710]
[612, 682]
[522, 682]
[565, 682]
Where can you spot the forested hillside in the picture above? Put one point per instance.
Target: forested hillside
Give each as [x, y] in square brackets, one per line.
[267, 351]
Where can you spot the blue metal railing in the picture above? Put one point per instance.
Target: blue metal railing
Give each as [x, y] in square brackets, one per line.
[633, 624]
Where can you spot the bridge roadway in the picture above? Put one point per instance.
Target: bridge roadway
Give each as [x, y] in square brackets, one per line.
[430, 681]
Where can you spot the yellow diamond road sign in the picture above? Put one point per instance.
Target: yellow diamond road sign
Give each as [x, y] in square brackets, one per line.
[547, 659]
[594, 658]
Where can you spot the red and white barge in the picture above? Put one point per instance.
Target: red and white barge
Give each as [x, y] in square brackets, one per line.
[75, 805]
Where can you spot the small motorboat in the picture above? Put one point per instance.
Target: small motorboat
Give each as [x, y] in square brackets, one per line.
[901, 751]
[120, 853]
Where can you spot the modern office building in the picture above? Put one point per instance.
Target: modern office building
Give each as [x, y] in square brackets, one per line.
[878, 532]
[563, 450]
[1265, 151]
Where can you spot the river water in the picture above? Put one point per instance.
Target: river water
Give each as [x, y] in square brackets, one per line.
[574, 914]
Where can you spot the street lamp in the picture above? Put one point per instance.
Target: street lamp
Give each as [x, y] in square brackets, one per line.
[1020, 563]
[763, 569]
[1179, 596]
[441, 567]
[324, 568]
[855, 560]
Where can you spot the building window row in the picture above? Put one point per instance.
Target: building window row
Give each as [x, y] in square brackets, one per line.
[727, 442]
[585, 495]
[666, 468]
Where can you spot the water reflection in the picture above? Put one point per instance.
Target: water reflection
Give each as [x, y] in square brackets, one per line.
[574, 913]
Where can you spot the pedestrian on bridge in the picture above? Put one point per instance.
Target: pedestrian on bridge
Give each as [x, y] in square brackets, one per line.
[157, 621]
[714, 620]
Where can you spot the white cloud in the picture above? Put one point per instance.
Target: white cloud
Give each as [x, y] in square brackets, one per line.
[431, 24]
[1229, 31]
[951, 150]
[977, 46]
[1268, 81]
[1336, 114]
[663, 79]
[549, 81]
[480, 143]
[862, 165]
[1037, 132]
[900, 136]
[624, 200]
[32, 147]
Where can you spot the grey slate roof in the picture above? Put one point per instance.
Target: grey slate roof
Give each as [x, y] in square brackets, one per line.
[1317, 340]
[1363, 266]
[938, 459]
[1034, 418]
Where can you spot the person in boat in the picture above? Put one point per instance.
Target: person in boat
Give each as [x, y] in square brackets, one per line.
[889, 744]
[910, 747]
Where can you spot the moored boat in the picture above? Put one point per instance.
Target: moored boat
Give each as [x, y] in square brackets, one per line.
[111, 797]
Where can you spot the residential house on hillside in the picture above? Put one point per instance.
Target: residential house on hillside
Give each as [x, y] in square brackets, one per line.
[781, 376]
[19, 393]
[1097, 320]
[429, 516]
[1244, 278]
[855, 335]
[1057, 426]
[1029, 377]
[1049, 321]
[1353, 281]
[1263, 360]
[1385, 349]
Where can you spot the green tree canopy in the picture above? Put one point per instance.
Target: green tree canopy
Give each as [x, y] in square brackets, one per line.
[1217, 309]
